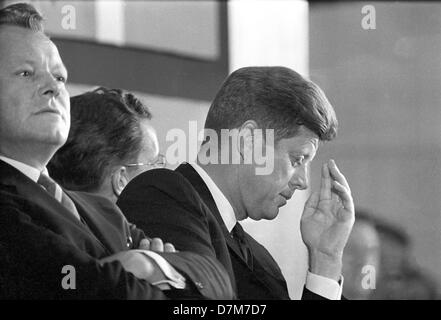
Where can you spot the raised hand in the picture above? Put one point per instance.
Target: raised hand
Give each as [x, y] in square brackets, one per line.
[327, 221]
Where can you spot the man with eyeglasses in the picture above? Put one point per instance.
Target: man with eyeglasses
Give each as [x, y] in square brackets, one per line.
[110, 142]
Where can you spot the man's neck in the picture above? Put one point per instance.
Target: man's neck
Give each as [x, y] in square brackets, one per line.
[33, 156]
[225, 178]
[106, 191]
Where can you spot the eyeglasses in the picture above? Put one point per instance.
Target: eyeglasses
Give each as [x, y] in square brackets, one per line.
[160, 162]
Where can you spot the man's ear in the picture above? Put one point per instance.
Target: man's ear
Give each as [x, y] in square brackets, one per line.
[246, 140]
[119, 180]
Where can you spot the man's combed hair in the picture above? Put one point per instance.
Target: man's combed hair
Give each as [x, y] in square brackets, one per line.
[276, 98]
[21, 15]
[105, 131]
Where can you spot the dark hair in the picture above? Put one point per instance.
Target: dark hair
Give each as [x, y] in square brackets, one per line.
[22, 15]
[105, 131]
[276, 98]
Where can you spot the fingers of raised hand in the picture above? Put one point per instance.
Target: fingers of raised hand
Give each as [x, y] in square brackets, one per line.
[325, 188]
[340, 187]
[337, 175]
[311, 203]
[344, 195]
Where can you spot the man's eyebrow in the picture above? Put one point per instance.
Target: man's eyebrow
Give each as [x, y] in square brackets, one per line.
[62, 67]
[315, 142]
[300, 153]
[304, 151]
[65, 69]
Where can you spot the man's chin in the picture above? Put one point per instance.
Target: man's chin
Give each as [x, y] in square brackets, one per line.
[264, 213]
[56, 138]
[272, 214]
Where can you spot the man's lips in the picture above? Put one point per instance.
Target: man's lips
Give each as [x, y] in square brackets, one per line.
[49, 110]
[287, 196]
[283, 202]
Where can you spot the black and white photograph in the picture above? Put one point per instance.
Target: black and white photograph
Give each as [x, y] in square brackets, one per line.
[237, 150]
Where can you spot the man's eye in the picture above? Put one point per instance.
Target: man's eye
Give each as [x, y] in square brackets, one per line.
[25, 73]
[61, 79]
[297, 161]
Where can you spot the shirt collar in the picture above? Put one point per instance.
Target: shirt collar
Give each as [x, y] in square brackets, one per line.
[223, 205]
[30, 172]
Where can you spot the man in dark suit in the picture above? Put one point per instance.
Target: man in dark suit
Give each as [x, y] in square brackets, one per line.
[56, 244]
[276, 111]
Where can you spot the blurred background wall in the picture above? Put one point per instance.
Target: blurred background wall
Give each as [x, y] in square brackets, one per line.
[385, 86]
[383, 82]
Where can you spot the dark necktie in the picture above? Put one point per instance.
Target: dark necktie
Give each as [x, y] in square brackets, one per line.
[55, 190]
[238, 234]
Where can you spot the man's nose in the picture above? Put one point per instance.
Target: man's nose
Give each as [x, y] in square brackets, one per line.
[50, 86]
[299, 179]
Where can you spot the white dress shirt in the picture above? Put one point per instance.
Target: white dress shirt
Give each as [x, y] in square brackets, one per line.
[174, 278]
[320, 285]
[30, 172]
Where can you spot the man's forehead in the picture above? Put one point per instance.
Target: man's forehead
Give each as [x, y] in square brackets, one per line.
[304, 139]
[305, 145]
[21, 43]
[17, 33]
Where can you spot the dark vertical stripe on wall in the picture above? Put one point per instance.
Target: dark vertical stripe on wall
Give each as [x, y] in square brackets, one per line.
[147, 71]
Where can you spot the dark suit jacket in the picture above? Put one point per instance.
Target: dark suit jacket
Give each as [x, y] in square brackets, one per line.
[178, 207]
[38, 236]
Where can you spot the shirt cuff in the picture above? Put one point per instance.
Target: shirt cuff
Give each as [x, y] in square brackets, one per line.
[325, 287]
[173, 277]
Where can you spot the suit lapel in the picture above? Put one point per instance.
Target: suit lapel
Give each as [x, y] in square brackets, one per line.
[195, 179]
[33, 192]
[99, 228]
[55, 214]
